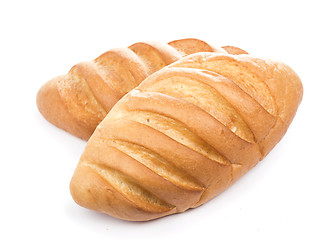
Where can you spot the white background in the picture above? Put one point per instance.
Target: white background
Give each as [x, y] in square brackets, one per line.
[284, 197]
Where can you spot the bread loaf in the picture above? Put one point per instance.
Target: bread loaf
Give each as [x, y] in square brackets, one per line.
[185, 135]
[79, 100]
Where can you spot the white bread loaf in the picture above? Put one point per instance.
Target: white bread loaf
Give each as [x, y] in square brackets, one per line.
[185, 135]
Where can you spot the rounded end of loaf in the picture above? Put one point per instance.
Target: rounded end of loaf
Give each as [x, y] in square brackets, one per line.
[288, 102]
[91, 189]
[53, 109]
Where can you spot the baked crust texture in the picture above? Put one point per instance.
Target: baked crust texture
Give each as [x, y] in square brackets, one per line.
[78, 101]
[185, 134]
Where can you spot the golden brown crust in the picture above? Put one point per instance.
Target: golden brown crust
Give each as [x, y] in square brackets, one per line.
[189, 46]
[186, 133]
[91, 89]
[49, 102]
[234, 50]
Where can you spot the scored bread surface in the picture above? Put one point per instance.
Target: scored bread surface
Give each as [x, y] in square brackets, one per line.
[185, 134]
[78, 101]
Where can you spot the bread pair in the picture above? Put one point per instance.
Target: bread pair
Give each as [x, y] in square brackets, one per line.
[185, 134]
